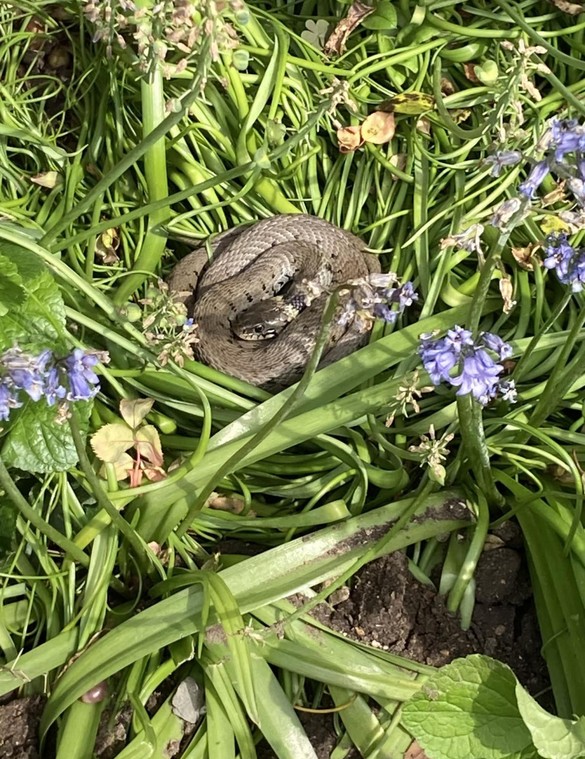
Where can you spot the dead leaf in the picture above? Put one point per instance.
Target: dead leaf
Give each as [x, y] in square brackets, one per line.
[349, 138]
[447, 86]
[48, 179]
[233, 503]
[469, 71]
[135, 411]
[356, 13]
[460, 114]
[135, 476]
[573, 9]
[123, 465]
[507, 291]
[414, 751]
[398, 160]
[111, 441]
[378, 128]
[154, 473]
[555, 196]
[423, 125]
[524, 257]
[552, 224]
[148, 445]
[410, 103]
[106, 246]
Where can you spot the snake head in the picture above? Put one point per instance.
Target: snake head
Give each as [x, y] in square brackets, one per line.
[264, 320]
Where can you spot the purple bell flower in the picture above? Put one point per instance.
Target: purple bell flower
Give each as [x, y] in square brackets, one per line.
[536, 177]
[466, 363]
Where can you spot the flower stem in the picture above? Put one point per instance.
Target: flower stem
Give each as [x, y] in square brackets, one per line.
[155, 170]
[475, 446]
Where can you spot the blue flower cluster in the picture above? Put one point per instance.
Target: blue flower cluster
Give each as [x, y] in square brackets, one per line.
[564, 156]
[466, 363]
[67, 379]
[390, 302]
[567, 262]
[376, 296]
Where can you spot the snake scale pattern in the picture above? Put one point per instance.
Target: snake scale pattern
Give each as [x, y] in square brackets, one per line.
[255, 263]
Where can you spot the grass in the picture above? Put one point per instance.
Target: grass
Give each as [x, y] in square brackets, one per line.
[105, 582]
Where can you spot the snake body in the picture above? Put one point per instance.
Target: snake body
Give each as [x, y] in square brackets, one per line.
[258, 263]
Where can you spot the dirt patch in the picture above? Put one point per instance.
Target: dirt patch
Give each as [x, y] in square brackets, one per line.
[19, 728]
[389, 609]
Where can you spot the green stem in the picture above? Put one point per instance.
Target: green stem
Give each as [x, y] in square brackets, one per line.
[36, 519]
[475, 446]
[476, 307]
[155, 170]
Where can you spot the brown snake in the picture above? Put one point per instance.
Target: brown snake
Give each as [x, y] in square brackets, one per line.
[286, 256]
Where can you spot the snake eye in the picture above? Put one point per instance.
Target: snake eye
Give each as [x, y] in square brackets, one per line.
[258, 329]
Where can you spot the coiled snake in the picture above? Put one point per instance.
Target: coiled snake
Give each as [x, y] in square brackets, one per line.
[259, 302]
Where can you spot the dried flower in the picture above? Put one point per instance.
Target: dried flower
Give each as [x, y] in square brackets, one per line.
[407, 396]
[167, 33]
[166, 326]
[469, 240]
[501, 159]
[433, 452]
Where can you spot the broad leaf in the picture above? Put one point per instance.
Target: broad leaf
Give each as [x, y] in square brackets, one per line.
[468, 709]
[37, 442]
[554, 738]
[111, 441]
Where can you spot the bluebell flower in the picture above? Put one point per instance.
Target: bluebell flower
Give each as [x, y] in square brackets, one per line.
[497, 345]
[567, 136]
[466, 363]
[26, 372]
[8, 400]
[536, 177]
[502, 158]
[44, 376]
[53, 389]
[407, 295]
[510, 212]
[567, 262]
[382, 311]
[377, 295]
[507, 390]
[479, 376]
[438, 357]
[83, 381]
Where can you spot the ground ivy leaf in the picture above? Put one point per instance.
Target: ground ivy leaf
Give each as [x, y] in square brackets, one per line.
[38, 320]
[468, 708]
[111, 441]
[12, 293]
[36, 443]
[554, 738]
